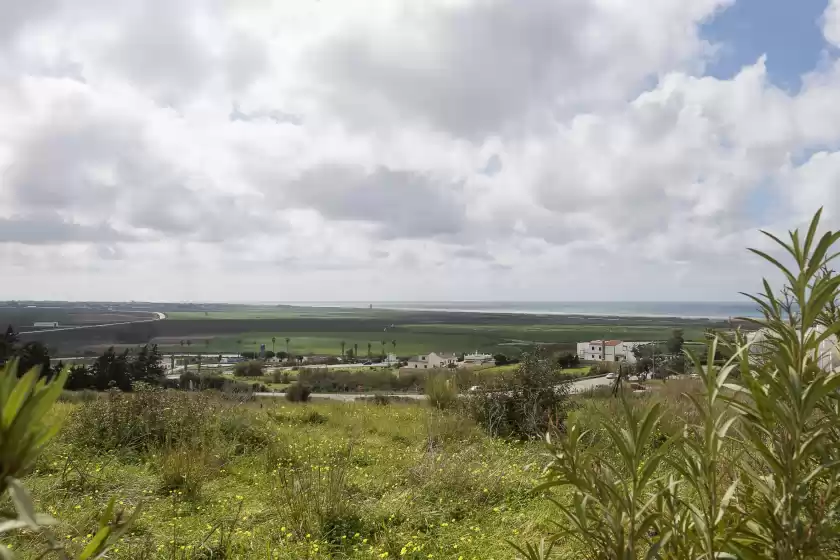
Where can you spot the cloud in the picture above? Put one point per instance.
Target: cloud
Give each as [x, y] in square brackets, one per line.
[482, 67]
[451, 149]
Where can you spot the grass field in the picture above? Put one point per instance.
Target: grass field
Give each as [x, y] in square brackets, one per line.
[399, 481]
[422, 339]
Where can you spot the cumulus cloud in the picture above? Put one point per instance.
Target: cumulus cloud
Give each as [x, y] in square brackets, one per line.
[449, 149]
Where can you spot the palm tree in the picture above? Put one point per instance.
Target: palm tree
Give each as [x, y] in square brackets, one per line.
[288, 340]
[273, 340]
[343, 344]
[356, 351]
[369, 346]
[383, 348]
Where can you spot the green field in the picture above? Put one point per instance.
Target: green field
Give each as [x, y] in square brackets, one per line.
[422, 339]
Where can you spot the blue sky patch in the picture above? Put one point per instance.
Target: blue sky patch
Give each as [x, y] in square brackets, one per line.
[787, 31]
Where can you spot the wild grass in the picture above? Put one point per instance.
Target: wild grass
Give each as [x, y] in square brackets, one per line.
[273, 479]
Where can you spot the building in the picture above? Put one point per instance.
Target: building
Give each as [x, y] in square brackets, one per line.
[475, 359]
[46, 325]
[432, 360]
[828, 357]
[607, 351]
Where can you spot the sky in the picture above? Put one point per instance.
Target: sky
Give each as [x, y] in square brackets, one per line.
[316, 150]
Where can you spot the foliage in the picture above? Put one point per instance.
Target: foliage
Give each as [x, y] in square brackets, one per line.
[568, 360]
[298, 392]
[524, 403]
[676, 342]
[441, 390]
[253, 368]
[25, 431]
[753, 475]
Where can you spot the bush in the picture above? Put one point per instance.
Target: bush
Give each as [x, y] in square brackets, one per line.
[253, 368]
[297, 392]
[524, 403]
[141, 421]
[442, 390]
[752, 472]
[382, 400]
[183, 469]
[278, 376]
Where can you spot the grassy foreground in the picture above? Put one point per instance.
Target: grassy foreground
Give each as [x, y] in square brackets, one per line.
[277, 480]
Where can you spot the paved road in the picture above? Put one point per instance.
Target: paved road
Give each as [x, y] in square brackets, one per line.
[575, 387]
[160, 317]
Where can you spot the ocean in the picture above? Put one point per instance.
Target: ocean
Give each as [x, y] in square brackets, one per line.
[682, 309]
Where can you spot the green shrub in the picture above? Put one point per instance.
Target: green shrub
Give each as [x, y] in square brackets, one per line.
[442, 390]
[183, 469]
[382, 400]
[278, 376]
[253, 368]
[24, 433]
[140, 421]
[524, 403]
[753, 473]
[315, 499]
[298, 392]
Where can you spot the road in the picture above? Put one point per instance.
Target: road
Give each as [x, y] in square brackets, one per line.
[160, 317]
[575, 387]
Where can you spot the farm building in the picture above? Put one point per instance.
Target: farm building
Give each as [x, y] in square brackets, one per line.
[607, 351]
[46, 324]
[432, 360]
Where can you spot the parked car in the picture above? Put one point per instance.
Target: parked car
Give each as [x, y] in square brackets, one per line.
[611, 375]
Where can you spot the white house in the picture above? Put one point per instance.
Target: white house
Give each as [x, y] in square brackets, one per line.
[607, 351]
[432, 360]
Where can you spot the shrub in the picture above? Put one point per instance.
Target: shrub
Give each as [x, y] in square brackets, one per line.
[382, 400]
[24, 433]
[297, 392]
[141, 421]
[314, 497]
[253, 368]
[524, 403]
[442, 390]
[183, 469]
[753, 474]
[278, 376]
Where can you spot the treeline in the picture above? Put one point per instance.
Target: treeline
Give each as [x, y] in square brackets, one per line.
[111, 370]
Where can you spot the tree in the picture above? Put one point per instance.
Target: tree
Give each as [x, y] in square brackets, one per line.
[351, 356]
[394, 346]
[500, 359]
[383, 348]
[369, 347]
[8, 345]
[34, 354]
[356, 351]
[343, 344]
[288, 340]
[147, 366]
[111, 370]
[676, 342]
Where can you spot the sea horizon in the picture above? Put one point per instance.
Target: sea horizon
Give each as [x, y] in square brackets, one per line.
[660, 309]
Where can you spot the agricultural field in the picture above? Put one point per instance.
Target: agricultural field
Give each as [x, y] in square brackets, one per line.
[222, 329]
